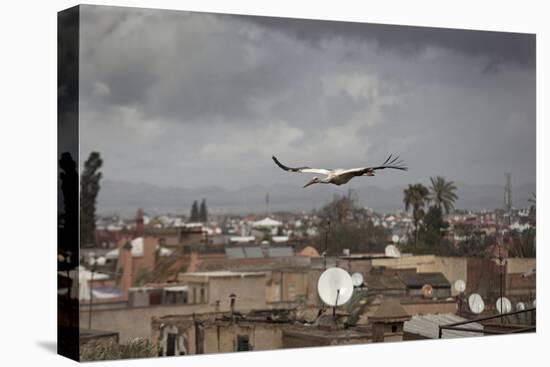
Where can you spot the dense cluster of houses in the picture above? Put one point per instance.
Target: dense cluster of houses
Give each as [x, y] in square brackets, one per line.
[250, 283]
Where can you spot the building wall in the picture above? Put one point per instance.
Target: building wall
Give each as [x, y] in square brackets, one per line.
[219, 337]
[249, 292]
[521, 265]
[429, 307]
[146, 262]
[268, 338]
[287, 286]
[305, 341]
[134, 322]
[453, 268]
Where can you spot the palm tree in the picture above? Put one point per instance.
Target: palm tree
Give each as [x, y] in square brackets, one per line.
[415, 197]
[442, 193]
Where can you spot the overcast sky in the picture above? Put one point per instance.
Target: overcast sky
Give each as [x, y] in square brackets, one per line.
[193, 99]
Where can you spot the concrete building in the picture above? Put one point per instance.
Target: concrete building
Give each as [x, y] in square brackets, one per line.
[212, 289]
[218, 333]
[387, 322]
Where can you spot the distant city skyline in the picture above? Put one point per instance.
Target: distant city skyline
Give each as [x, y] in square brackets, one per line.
[189, 100]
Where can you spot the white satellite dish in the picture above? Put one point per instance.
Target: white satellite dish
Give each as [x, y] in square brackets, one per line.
[460, 285]
[476, 304]
[392, 251]
[357, 279]
[503, 305]
[520, 306]
[335, 287]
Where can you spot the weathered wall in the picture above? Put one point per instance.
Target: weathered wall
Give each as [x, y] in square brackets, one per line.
[134, 322]
[521, 265]
[429, 307]
[249, 292]
[453, 268]
[223, 338]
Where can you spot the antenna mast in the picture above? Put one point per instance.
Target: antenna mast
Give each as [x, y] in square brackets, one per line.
[326, 245]
[508, 196]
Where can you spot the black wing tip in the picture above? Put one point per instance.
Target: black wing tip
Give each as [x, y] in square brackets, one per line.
[394, 162]
[279, 163]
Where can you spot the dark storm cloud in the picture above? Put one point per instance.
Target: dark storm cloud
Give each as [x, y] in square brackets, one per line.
[498, 46]
[182, 99]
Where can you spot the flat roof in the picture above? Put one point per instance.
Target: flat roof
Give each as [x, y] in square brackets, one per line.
[224, 273]
[316, 332]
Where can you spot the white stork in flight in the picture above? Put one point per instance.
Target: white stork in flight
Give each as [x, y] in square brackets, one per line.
[341, 176]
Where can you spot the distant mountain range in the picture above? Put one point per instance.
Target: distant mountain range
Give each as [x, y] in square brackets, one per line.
[124, 198]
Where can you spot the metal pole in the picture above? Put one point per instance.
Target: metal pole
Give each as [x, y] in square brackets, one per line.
[326, 245]
[91, 300]
[501, 294]
[335, 304]
[501, 268]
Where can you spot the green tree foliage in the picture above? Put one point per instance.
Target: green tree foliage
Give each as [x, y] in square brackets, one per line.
[350, 228]
[434, 226]
[476, 245]
[442, 193]
[89, 188]
[524, 244]
[431, 238]
[203, 212]
[415, 197]
[194, 216]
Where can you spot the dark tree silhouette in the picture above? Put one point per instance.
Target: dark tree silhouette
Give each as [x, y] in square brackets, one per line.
[89, 188]
[203, 212]
[416, 197]
[351, 228]
[194, 216]
[68, 225]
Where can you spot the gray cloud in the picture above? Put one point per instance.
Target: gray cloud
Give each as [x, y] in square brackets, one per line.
[193, 99]
[498, 46]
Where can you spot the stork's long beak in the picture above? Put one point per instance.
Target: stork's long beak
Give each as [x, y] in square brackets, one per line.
[310, 182]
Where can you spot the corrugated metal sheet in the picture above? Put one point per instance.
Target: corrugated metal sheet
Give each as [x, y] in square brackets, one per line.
[428, 326]
[280, 251]
[417, 280]
[253, 252]
[384, 282]
[234, 252]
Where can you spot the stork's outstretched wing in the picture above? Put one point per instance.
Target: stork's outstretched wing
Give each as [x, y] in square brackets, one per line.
[391, 163]
[321, 171]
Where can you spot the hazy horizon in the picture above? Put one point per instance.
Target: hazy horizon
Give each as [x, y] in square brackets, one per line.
[124, 198]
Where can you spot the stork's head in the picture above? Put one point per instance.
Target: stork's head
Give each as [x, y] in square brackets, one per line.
[312, 181]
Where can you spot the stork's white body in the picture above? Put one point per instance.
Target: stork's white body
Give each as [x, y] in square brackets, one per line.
[340, 176]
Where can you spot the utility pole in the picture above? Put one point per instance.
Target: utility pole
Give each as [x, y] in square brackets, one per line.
[326, 245]
[508, 197]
